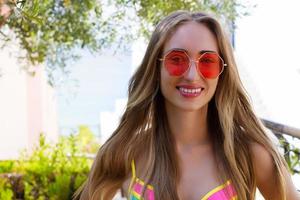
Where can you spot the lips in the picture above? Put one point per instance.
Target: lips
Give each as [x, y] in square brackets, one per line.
[189, 91]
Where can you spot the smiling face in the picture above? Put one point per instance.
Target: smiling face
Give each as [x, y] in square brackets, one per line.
[190, 91]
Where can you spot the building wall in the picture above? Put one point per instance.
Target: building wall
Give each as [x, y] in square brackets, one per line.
[27, 108]
[13, 108]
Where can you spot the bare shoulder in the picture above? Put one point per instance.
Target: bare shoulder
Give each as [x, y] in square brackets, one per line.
[264, 166]
[266, 173]
[262, 160]
[260, 153]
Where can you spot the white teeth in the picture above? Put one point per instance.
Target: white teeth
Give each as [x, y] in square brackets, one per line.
[191, 91]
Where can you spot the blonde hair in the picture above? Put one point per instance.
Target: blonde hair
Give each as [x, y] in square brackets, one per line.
[144, 127]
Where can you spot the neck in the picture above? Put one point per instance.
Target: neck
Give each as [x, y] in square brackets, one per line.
[189, 128]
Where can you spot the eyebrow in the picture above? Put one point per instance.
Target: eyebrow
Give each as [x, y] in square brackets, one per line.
[200, 52]
[206, 51]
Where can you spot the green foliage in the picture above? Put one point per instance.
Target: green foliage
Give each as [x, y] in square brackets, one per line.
[291, 155]
[50, 171]
[6, 166]
[48, 31]
[54, 171]
[6, 192]
[88, 142]
[150, 12]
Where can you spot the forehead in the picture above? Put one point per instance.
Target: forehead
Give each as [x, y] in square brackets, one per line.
[192, 36]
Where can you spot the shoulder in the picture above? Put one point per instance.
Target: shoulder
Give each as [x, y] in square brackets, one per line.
[263, 164]
[266, 172]
[262, 158]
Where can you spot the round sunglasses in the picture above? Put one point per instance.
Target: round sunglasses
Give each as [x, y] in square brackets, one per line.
[209, 64]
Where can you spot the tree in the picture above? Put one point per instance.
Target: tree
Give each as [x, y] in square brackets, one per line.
[150, 12]
[48, 31]
[52, 30]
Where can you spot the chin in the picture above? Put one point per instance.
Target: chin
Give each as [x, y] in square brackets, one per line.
[192, 109]
[186, 107]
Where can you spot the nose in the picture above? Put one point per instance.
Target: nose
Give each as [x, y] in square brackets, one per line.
[192, 73]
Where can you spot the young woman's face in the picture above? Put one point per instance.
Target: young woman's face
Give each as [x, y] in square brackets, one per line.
[188, 90]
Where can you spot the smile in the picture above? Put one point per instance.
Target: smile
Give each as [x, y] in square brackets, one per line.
[189, 92]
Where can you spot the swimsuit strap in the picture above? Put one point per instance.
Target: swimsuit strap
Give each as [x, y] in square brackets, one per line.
[133, 176]
[133, 169]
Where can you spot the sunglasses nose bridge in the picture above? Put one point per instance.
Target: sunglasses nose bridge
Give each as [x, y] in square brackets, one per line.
[192, 71]
[195, 63]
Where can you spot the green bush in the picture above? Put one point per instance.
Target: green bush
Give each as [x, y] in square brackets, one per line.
[50, 171]
[54, 171]
[6, 166]
[6, 192]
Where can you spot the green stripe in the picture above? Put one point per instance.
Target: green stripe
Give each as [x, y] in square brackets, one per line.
[133, 198]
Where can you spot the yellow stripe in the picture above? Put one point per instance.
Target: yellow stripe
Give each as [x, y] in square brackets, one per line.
[215, 190]
[133, 176]
[137, 195]
[133, 168]
[150, 187]
[137, 180]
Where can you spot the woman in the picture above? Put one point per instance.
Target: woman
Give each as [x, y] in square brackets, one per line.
[188, 131]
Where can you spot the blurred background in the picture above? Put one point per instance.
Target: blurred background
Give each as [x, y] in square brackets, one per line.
[65, 67]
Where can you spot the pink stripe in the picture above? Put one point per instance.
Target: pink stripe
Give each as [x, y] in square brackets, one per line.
[150, 194]
[223, 194]
[138, 188]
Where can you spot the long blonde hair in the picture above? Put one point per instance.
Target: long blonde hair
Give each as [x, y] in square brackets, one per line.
[144, 126]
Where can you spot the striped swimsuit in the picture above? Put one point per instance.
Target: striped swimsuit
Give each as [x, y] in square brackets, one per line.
[223, 192]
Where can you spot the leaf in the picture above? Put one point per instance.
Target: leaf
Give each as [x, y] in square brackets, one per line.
[35, 8]
[33, 18]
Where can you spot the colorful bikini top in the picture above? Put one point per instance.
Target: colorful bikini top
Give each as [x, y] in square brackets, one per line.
[225, 191]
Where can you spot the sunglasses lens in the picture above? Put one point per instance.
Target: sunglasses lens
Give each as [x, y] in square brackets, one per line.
[176, 63]
[210, 65]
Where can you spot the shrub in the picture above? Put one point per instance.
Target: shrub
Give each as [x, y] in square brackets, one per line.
[6, 192]
[6, 166]
[49, 171]
[53, 171]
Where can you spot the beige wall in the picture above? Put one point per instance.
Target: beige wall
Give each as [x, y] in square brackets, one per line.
[27, 107]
